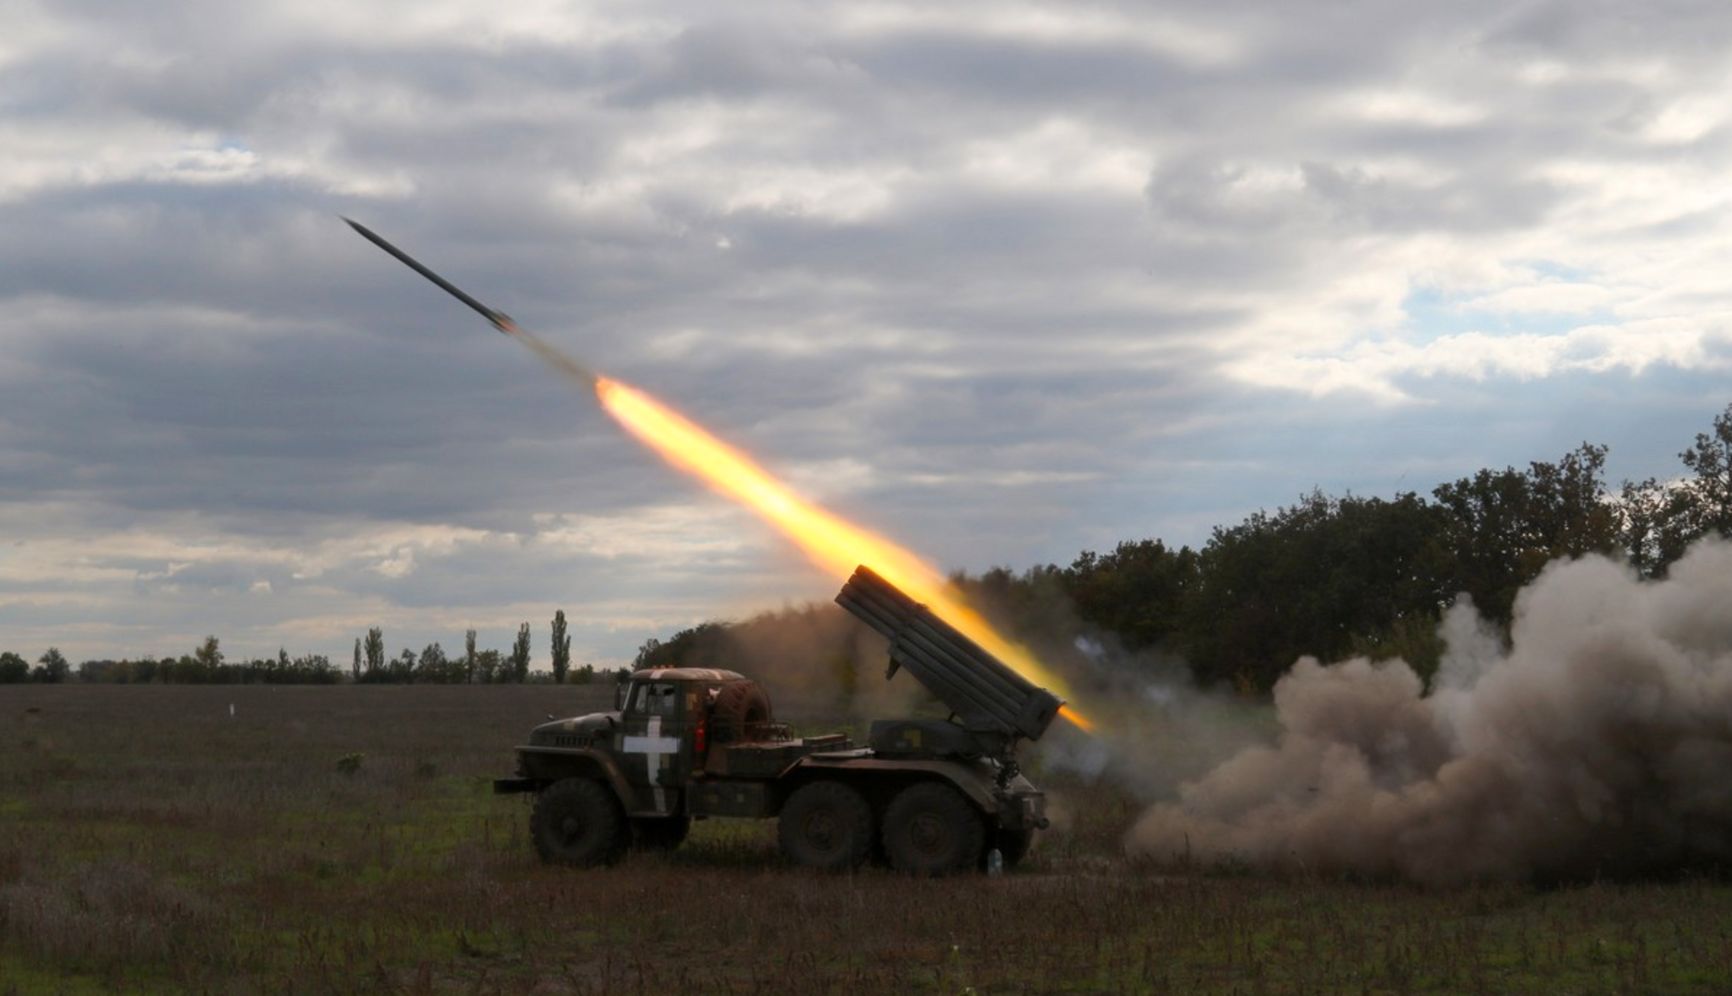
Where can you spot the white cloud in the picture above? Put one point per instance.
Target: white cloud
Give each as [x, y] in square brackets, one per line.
[1058, 154]
[1061, 255]
[675, 532]
[1373, 369]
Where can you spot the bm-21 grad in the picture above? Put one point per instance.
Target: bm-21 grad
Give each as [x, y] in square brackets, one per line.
[931, 796]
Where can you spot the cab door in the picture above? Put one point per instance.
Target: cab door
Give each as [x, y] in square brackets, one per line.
[655, 745]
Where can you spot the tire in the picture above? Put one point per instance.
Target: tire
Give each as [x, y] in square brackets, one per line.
[826, 825]
[930, 829]
[664, 833]
[577, 821]
[739, 711]
[1013, 845]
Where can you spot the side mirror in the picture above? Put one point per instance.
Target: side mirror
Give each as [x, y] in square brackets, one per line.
[619, 690]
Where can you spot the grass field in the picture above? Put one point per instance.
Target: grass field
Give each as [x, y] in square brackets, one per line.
[150, 841]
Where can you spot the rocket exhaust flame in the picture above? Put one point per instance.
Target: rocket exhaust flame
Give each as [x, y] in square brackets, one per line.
[835, 545]
[832, 543]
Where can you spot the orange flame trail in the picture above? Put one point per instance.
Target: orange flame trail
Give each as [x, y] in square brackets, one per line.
[835, 545]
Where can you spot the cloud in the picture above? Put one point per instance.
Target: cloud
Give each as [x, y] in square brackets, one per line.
[1001, 280]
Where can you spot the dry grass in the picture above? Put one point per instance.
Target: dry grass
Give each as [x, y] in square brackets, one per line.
[149, 842]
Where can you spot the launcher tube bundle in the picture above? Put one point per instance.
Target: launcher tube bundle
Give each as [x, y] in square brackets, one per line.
[985, 695]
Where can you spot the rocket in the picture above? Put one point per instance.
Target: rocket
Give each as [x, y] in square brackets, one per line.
[500, 319]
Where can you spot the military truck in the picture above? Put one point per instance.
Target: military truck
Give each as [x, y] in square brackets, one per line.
[925, 796]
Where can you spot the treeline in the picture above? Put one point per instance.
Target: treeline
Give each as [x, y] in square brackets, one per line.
[1340, 576]
[475, 667]
[206, 665]
[1328, 576]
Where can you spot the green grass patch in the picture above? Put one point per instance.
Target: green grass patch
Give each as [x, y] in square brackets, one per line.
[150, 843]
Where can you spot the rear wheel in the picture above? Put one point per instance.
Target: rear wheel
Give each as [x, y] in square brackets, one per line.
[577, 821]
[826, 825]
[663, 833]
[930, 829]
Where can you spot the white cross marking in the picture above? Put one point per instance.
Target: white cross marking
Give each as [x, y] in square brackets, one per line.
[656, 748]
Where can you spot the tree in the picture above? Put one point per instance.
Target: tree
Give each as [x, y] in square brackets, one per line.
[561, 647]
[209, 657]
[1136, 592]
[488, 667]
[1502, 527]
[1710, 460]
[355, 664]
[375, 648]
[703, 645]
[403, 668]
[468, 656]
[314, 669]
[13, 669]
[432, 664]
[94, 671]
[53, 667]
[1323, 577]
[1656, 522]
[520, 654]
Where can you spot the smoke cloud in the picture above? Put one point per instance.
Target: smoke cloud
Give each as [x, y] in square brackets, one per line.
[1599, 742]
[820, 663]
[1149, 707]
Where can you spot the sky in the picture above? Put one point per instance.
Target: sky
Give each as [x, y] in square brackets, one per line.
[1002, 281]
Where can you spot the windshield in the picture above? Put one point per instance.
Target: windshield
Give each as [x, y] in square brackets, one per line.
[655, 698]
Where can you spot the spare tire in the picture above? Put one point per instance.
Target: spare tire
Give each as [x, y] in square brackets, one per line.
[740, 711]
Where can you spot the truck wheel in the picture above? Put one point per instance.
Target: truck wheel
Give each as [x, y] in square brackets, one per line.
[826, 825]
[577, 822]
[930, 829]
[662, 833]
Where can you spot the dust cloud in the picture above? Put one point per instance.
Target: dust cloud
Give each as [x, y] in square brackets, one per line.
[1599, 742]
[1147, 707]
[822, 662]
